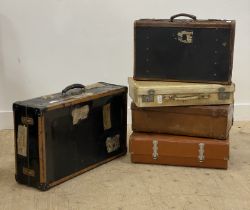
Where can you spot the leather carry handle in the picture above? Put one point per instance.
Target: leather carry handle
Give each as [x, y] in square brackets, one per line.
[73, 86]
[182, 14]
[186, 98]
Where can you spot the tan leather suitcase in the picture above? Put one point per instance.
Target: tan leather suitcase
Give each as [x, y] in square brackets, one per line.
[158, 93]
[178, 150]
[201, 121]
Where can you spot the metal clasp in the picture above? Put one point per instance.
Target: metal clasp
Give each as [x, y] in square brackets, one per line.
[201, 155]
[155, 150]
[27, 121]
[149, 97]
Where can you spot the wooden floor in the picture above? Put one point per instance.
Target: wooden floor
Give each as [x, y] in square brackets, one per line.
[122, 185]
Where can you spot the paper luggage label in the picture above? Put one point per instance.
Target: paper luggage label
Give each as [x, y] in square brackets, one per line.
[80, 114]
[113, 143]
[106, 117]
[185, 37]
[22, 140]
[159, 99]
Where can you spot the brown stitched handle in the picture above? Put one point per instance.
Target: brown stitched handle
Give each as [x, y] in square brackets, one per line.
[189, 97]
[70, 87]
[182, 14]
[186, 98]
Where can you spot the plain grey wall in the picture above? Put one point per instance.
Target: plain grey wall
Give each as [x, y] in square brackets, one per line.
[46, 45]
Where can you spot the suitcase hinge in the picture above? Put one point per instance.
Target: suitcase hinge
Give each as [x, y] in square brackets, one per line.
[222, 94]
[149, 97]
[155, 150]
[201, 156]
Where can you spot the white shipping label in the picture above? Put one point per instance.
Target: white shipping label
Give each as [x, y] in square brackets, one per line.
[22, 140]
[185, 37]
[159, 99]
[106, 117]
[80, 114]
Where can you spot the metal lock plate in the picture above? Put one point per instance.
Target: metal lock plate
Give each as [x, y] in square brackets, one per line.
[222, 94]
[28, 172]
[155, 150]
[113, 143]
[201, 155]
[149, 97]
[27, 120]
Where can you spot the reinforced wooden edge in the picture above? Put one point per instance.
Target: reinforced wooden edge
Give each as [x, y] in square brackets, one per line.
[14, 119]
[85, 169]
[231, 48]
[175, 161]
[175, 80]
[74, 101]
[41, 148]
[185, 24]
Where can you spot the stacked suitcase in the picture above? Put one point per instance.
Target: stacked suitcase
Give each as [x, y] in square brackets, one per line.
[182, 93]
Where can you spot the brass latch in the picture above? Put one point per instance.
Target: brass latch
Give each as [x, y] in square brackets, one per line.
[149, 97]
[201, 155]
[28, 172]
[27, 120]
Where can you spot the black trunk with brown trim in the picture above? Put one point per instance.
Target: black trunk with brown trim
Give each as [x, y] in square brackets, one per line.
[184, 50]
[60, 136]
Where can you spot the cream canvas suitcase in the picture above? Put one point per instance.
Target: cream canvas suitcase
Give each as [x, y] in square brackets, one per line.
[158, 93]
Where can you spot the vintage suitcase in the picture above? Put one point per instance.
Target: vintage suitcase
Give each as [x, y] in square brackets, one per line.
[157, 93]
[62, 135]
[178, 150]
[184, 50]
[201, 121]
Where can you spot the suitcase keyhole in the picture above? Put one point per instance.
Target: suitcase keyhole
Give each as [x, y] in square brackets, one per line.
[184, 37]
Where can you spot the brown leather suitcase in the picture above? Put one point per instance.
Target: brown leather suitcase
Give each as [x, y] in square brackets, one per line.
[201, 121]
[178, 150]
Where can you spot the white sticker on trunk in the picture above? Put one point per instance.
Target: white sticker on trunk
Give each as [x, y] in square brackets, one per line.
[113, 143]
[106, 117]
[80, 114]
[22, 140]
[159, 99]
[185, 37]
